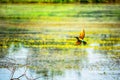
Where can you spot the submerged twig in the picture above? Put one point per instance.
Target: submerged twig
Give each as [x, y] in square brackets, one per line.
[12, 66]
[13, 71]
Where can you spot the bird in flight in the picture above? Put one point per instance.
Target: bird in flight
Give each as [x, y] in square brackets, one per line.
[80, 38]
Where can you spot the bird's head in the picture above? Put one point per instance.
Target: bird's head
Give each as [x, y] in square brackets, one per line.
[77, 38]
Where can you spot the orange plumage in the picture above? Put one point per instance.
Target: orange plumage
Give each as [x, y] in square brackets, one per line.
[80, 38]
[82, 34]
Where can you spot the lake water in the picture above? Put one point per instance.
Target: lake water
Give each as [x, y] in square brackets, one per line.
[50, 53]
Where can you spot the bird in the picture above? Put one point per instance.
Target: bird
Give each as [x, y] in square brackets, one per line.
[80, 38]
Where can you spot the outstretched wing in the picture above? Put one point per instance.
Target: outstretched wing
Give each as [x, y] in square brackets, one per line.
[82, 34]
[78, 43]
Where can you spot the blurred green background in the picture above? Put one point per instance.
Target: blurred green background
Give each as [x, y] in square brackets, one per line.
[60, 1]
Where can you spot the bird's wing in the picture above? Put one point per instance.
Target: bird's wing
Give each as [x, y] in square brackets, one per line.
[78, 43]
[82, 34]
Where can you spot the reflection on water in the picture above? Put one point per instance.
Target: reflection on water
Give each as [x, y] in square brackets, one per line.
[47, 56]
[95, 65]
[93, 56]
[18, 54]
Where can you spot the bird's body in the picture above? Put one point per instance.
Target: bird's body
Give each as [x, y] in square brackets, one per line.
[80, 38]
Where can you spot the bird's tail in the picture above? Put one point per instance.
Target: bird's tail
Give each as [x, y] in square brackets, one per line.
[84, 42]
